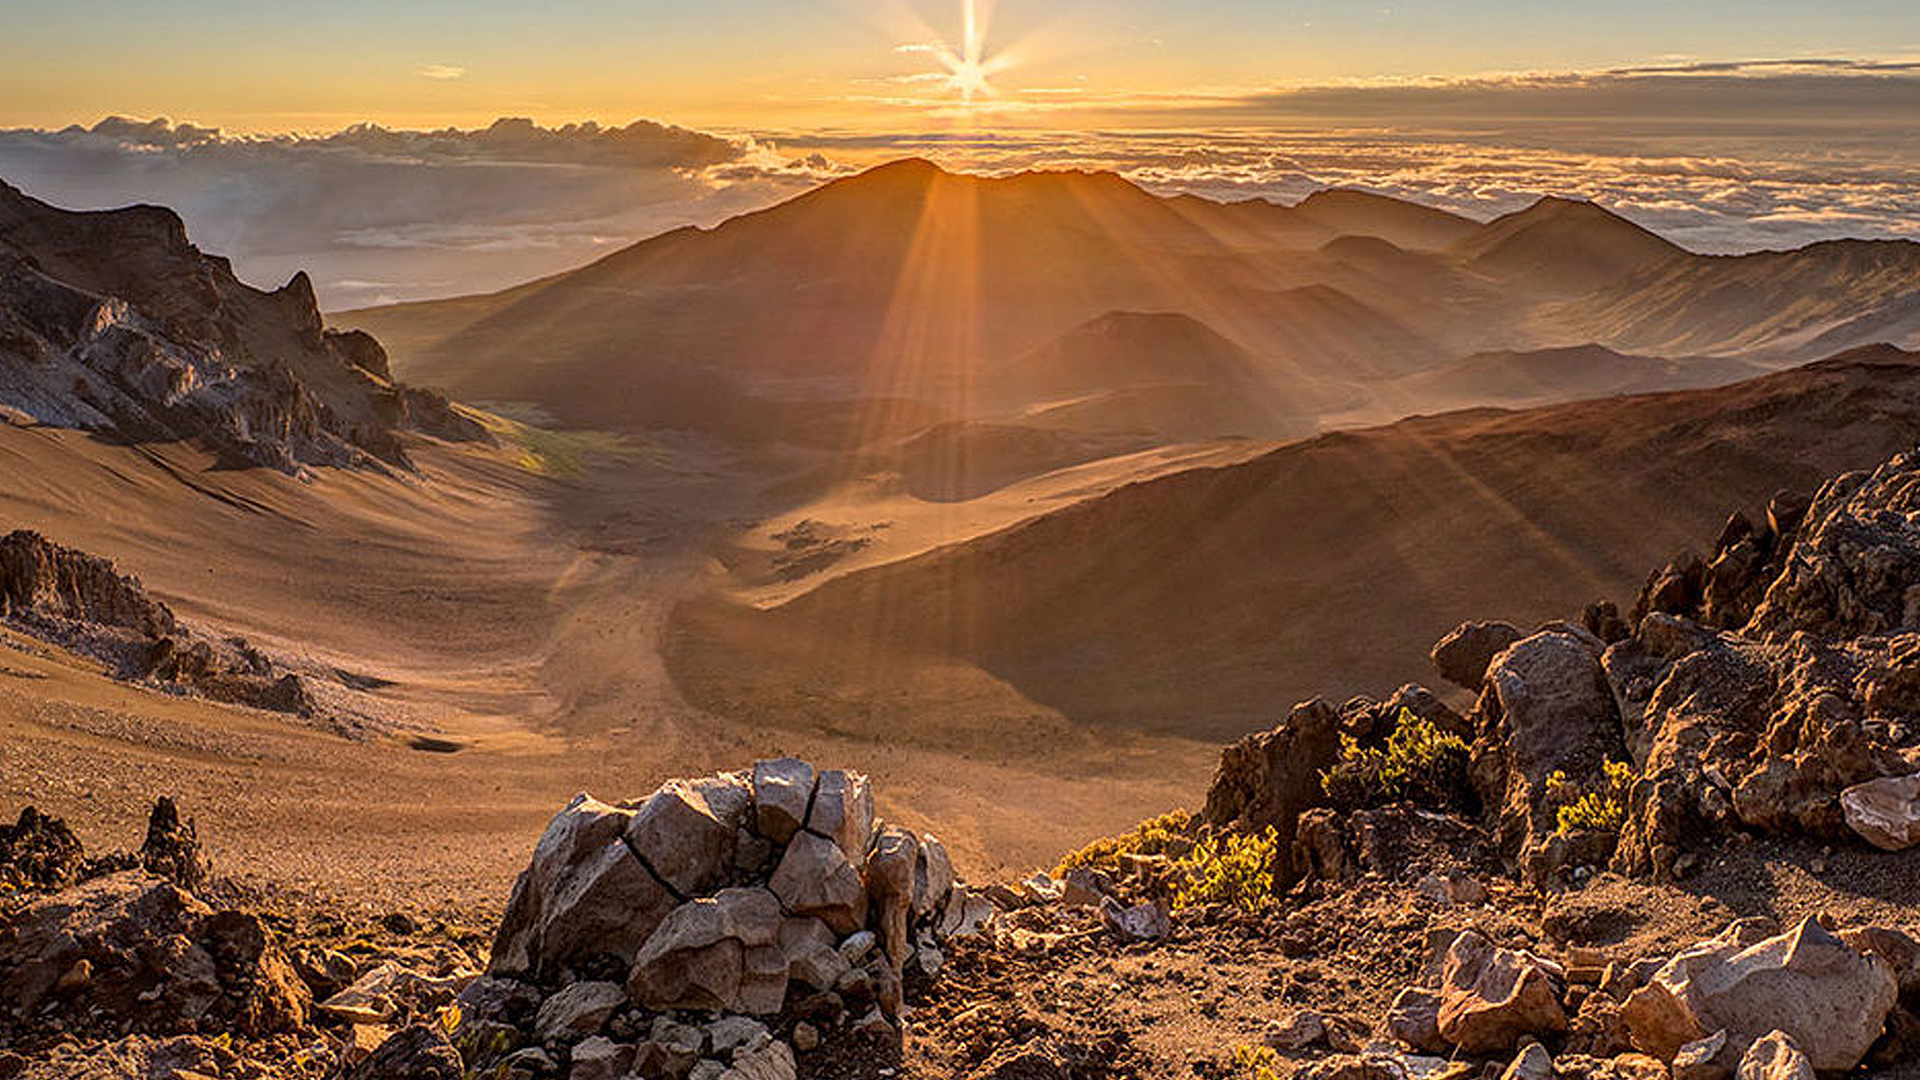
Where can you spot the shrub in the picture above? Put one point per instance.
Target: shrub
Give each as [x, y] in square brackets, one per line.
[1230, 868]
[1155, 836]
[1602, 808]
[1256, 1062]
[1420, 764]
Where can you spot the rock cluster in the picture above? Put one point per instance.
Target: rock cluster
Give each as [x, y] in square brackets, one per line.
[672, 936]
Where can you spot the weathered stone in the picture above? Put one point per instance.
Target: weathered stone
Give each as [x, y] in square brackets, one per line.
[1705, 1059]
[1774, 1056]
[1297, 1032]
[600, 1058]
[889, 879]
[1414, 1020]
[932, 877]
[1491, 997]
[419, 1052]
[1270, 778]
[812, 956]
[1462, 656]
[1899, 950]
[782, 788]
[1084, 886]
[1886, 812]
[1141, 922]
[737, 1034]
[711, 953]
[577, 1011]
[842, 811]
[38, 851]
[582, 894]
[669, 1052]
[815, 879]
[771, 1062]
[684, 831]
[1532, 1063]
[386, 988]
[1832, 1001]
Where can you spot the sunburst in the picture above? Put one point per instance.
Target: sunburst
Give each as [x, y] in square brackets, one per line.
[970, 69]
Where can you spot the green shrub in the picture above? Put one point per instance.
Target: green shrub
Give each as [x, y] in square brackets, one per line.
[1420, 764]
[1603, 808]
[1155, 836]
[1230, 868]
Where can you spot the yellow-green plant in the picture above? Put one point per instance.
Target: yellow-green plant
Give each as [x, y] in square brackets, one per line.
[1257, 1062]
[1155, 836]
[1420, 763]
[1602, 808]
[1230, 868]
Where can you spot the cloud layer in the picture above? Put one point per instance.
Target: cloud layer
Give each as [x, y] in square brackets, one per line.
[1721, 157]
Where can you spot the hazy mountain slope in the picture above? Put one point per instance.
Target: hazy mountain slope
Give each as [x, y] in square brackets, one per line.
[1346, 212]
[1565, 247]
[1209, 600]
[1540, 376]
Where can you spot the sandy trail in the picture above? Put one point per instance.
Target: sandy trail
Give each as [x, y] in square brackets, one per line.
[523, 614]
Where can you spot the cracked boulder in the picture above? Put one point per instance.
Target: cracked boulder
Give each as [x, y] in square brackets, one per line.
[721, 952]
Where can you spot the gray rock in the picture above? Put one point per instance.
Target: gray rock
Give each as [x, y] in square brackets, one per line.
[1299, 1031]
[1774, 1056]
[1491, 998]
[815, 878]
[707, 1070]
[842, 811]
[771, 1062]
[419, 1052]
[731, 1035]
[1414, 1019]
[812, 956]
[1532, 1063]
[781, 790]
[685, 832]
[720, 952]
[932, 877]
[576, 1012]
[600, 1058]
[670, 1051]
[1885, 812]
[1462, 656]
[856, 947]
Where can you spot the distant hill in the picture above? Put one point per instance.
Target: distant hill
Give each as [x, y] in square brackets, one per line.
[1207, 601]
[1564, 246]
[1539, 376]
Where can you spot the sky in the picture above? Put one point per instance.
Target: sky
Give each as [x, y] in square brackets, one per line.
[365, 141]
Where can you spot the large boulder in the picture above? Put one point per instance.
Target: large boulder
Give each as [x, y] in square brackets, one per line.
[1885, 812]
[1463, 655]
[721, 952]
[1854, 563]
[815, 878]
[842, 811]
[782, 789]
[585, 893]
[685, 831]
[1830, 999]
[1491, 998]
[38, 852]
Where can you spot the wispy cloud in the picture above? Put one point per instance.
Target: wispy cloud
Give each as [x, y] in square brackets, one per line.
[440, 71]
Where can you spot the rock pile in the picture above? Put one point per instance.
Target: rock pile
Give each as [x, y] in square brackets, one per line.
[712, 928]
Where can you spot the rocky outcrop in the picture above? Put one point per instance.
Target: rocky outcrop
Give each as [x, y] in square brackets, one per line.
[1270, 778]
[1885, 812]
[1463, 655]
[1490, 997]
[38, 852]
[111, 321]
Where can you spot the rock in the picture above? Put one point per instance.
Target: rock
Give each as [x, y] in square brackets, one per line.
[1855, 558]
[1414, 1020]
[1598, 1029]
[889, 879]
[773, 1061]
[1546, 708]
[737, 1034]
[506, 1001]
[1352, 1067]
[719, 953]
[842, 811]
[584, 893]
[806, 1037]
[419, 1052]
[1462, 656]
[967, 914]
[38, 852]
[1885, 812]
[684, 831]
[1492, 997]
[707, 1070]
[1705, 1059]
[1900, 951]
[669, 1052]
[856, 947]
[389, 988]
[812, 956]
[933, 877]
[155, 957]
[1319, 846]
[1448, 889]
[1297, 1032]
[1041, 889]
[576, 1012]
[529, 1063]
[1141, 922]
[1532, 1063]
[815, 879]
[1774, 1056]
[1085, 886]
[1272, 777]
[782, 789]
[600, 1058]
[1832, 1001]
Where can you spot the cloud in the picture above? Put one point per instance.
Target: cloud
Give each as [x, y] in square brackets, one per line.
[440, 71]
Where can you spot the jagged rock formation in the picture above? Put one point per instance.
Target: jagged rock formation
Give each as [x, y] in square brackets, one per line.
[81, 602]
[112, 321]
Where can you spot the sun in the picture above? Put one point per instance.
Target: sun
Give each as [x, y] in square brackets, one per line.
[969, 68]
[969, 79]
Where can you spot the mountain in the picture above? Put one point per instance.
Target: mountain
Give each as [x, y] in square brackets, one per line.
[1346, 212]
[1208, 600]
[1565, 247]
[1540, 376]
[112, 321]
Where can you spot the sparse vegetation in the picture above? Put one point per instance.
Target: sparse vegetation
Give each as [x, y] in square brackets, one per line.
[1256, 1062]
[1229, 868]
[1602, 808]
[1164, 835]
[1420, 763]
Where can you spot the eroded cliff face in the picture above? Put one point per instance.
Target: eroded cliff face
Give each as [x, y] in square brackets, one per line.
[112, 321]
